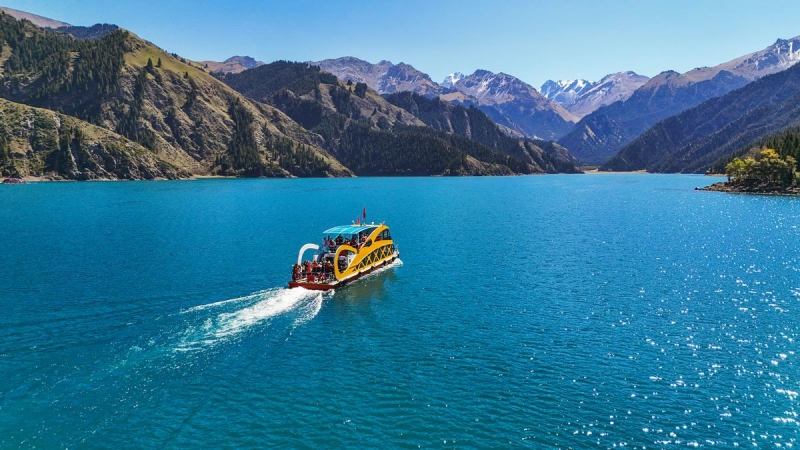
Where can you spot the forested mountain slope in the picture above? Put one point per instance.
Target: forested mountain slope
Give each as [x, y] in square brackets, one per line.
[165, 103]
[368, 133]
[474, 124]
[37, 142]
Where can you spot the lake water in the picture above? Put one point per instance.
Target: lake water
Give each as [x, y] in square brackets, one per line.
[567, 311]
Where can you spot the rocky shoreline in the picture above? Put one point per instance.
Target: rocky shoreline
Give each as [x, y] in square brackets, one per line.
[761, 190]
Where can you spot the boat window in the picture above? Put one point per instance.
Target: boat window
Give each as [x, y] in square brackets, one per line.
[368, 243]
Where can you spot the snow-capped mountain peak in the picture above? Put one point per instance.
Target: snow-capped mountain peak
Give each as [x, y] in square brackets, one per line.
[565, 92]
[510, 102]
[581, 97]
[451, 79]
[779, 56]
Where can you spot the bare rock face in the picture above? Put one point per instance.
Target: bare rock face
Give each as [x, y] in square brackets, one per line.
[39, 21]
[234, 64]
[781, 55]
[384, 77]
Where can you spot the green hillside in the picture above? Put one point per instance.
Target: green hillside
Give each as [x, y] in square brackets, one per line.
[167, 104]
[37, 142]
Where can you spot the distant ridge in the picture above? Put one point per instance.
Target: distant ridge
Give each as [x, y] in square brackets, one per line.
[582, 97]
[512, 103]
[39, 21]
[601, 134]
[509, 101]
[234, 64]
[693, 140]
[384, 77]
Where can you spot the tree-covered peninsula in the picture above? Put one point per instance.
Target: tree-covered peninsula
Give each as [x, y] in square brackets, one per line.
[767, 172]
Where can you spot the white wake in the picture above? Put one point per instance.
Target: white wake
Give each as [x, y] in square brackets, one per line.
[228, 319]
[217, 322]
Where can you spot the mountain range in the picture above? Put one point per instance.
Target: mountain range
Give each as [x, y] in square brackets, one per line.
[609, 113]
[600, 135]
[164, 116]
[186, 119]
[383, 77]
[234, 64]
[512, 103]
[347, 116]
[377, 135]
[694, 139]
[508, 100]
[581, 97]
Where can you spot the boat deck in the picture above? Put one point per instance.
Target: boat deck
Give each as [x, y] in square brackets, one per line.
[331, 283]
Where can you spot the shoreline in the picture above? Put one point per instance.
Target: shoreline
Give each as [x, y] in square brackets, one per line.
[32, 179]
[724, 187]
[605, 172]
[45, 179]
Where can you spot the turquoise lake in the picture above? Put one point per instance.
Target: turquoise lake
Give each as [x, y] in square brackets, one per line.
[582, 311]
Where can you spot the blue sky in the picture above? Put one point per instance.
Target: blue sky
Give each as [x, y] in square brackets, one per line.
[533, 40]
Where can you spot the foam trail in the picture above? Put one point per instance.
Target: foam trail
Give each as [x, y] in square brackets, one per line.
[309, 311]
[263, 306]
[280, 302]
[222, 324]
[224, 302]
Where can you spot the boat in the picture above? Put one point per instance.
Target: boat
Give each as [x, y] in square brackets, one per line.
[348, 253]
[12, 180]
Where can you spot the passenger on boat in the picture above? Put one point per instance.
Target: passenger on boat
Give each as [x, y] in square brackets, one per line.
[339, 240]
[353, 242]
[296, 272]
